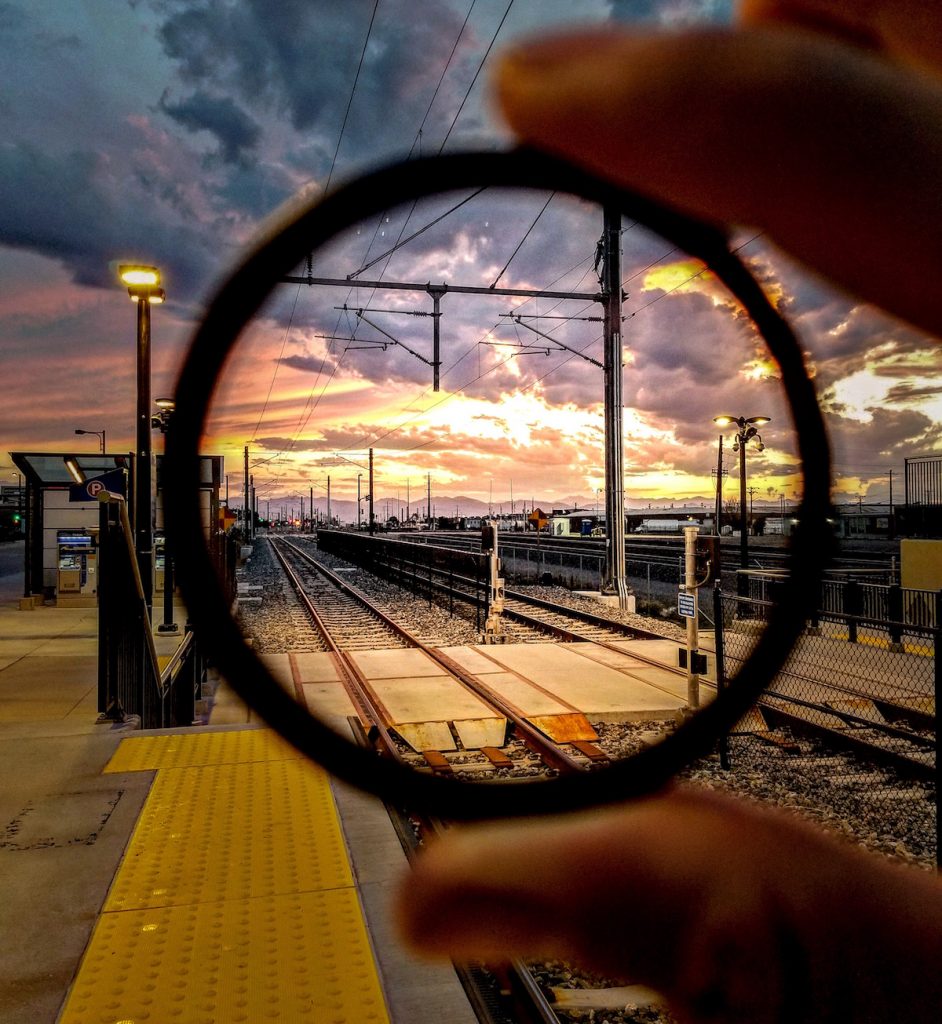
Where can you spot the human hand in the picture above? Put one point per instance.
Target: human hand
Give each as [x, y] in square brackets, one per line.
[735, 914]
[815, 120]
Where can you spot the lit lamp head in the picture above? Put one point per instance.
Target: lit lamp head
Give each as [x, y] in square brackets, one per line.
[142, 282]
[161, 420]
[748, 429]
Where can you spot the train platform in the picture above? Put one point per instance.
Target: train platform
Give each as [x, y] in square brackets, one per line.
[211, 873]
[205, 874]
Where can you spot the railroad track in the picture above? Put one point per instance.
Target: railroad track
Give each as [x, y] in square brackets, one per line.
[342, 619]
[829, 715]
[571, 624]
[555, 756]
[519, 979]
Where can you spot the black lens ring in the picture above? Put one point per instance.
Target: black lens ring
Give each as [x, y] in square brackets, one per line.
[283, 248]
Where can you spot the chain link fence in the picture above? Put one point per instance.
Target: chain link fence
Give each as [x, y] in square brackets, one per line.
[850, 719]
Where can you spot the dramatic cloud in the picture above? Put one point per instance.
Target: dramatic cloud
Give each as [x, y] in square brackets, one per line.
[236, 132]
[166, 131]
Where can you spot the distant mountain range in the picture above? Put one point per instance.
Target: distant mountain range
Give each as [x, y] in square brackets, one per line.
[461, 505]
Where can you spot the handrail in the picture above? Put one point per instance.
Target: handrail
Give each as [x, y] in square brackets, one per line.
[177, 659]
[130, 679]
[110, 498]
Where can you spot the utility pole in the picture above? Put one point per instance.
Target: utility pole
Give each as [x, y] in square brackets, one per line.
[719, 485]
[615, 581]
[328, 502]
[371, 493]
[428, 499]
[311, 502]
[245, 497]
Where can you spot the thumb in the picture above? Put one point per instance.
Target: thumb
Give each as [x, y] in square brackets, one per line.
[830, 148]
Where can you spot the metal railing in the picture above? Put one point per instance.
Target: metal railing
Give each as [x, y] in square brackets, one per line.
[414, 566]
[130, 680]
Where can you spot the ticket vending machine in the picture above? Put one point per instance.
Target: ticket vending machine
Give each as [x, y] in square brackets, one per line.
[160, 564]
[77, 582]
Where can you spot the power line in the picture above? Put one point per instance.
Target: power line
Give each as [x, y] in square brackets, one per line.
[454, 49]
[356, 79]
[338, 362]
[522, 240]
[330, 173]
[487, 53]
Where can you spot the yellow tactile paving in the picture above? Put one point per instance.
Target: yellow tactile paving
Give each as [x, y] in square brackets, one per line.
[235, 900]
[232, 831]
[183, 750]
[292, 958]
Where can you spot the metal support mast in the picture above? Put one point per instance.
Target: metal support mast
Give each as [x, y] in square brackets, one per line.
[246, 535]
[436, 294]
[372, 526]
[143, 481]
[615, 581]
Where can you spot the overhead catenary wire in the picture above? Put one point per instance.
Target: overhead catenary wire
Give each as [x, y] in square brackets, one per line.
[456, 391]
[333, 162]
[313, 404]
[522, 240]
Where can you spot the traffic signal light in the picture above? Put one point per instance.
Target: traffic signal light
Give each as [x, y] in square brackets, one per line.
[708, 566]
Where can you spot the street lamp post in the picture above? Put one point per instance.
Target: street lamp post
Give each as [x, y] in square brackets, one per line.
[747, 430]
[143, 284]
[100, 434]
[359, 499]
[161, 421]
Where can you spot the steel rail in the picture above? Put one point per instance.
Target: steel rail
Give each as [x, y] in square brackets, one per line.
[354, 682]
[549, 751]
[898, 760]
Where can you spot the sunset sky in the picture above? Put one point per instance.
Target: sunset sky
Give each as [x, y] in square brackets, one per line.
[165, 131]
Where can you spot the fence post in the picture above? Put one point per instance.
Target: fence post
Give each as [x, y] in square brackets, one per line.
[814, 623]
[937, 687]
[852, 608]
[894, 603]
[720, 645]
[487, 600]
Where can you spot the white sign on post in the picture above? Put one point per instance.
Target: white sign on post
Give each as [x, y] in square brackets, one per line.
[687, 605]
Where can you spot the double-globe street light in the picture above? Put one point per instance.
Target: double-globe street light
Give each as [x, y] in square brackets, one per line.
[747, 430]
[143, 284]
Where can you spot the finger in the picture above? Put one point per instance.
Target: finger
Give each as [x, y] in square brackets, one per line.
[731, 913]
[908, 29]
[640, 894]
[832, 150]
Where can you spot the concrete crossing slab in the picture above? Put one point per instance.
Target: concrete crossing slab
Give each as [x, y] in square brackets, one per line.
[597, 690]
[428, 699]
[395, 662]
[315, 667]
